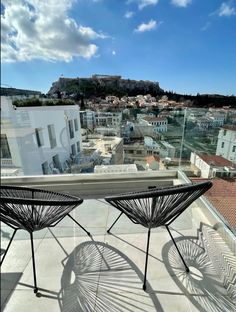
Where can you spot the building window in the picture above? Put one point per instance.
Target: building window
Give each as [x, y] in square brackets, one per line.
[138, 152]
[78, 147]
[73, 150]
[234, 149]
[5, 150]
[222, 144]
[52, 136]
[56, 162]
[45, 167]
[71, 129]
[76, 124]
[39, 136]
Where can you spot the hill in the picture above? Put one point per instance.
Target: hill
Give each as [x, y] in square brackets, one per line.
[103, 85]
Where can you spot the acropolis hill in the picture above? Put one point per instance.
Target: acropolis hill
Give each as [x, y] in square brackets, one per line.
[102, 85]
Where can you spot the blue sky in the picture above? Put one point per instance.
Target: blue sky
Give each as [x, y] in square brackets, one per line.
[189, 46]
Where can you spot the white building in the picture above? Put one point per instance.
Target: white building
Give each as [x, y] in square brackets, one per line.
[195, 113]
[39, 140]
[87, 119]
[213, 165]
[163, 148]
[217, 118]
[108, 119]
[226, 145]
[138, 130]
[159, 123]
[91, 119]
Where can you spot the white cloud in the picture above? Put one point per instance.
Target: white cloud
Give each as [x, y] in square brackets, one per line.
[42, 29]
[226, 9]
[181, 3]
[143, 3]
[129, 14]
[146, 27]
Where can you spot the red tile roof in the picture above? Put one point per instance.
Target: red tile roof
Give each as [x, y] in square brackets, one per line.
[222, 195]
[229, 127]
[217, 161]
[152, 158]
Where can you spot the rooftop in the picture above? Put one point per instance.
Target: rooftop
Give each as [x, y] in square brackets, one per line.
[152, 158]
[223, 196]
[154, 118]
[105, 272]
[229, 127]
[216, 160]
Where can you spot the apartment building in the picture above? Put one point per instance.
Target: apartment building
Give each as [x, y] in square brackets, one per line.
[226, 145]
[87, 119]
[162, 148]
[137, 152]
[91, 119]
[159, 123]
[38, 140]
[108, 119]
[138, 131]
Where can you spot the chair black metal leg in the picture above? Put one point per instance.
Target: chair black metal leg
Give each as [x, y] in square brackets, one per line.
[79, 224]
[108, 231]
[33, 261]
[146, 261]
[186, 267]
[5, 253]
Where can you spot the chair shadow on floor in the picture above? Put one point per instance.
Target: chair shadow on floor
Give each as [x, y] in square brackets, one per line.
[98, 277]
[10, 281]
[204, 286]
[95, 277]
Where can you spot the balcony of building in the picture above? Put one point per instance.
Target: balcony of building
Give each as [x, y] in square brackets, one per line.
[105, 272]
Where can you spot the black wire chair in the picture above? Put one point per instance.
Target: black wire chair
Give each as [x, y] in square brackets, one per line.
[33, 210]
[157, 207]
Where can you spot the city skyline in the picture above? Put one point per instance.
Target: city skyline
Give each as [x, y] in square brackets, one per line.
[187, 46]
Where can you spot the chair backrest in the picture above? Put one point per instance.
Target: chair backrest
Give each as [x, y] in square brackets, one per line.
[28, 208]
[160, 206]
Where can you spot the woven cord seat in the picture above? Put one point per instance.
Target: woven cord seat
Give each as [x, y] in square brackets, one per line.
[157, 207]
[33, 210]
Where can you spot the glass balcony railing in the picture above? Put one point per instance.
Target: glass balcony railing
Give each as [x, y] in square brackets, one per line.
[92, 166]
[201, 142]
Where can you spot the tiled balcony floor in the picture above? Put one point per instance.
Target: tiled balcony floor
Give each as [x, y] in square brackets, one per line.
[104, 273]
